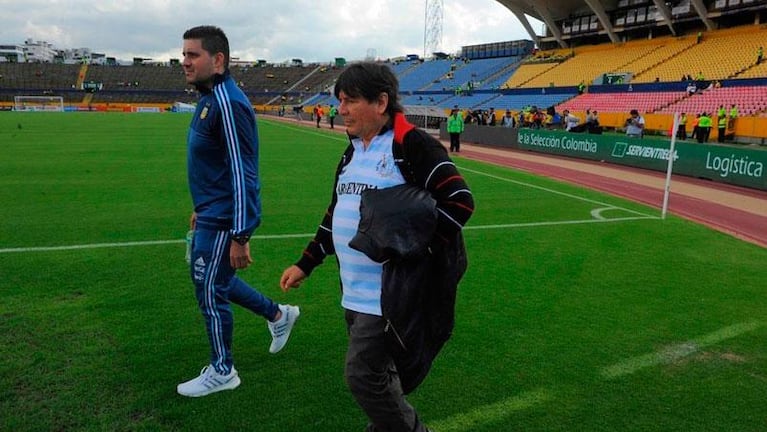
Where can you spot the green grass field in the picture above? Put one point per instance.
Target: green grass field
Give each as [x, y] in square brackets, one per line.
[579, 311]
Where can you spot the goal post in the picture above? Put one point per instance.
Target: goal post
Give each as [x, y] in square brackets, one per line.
[38, 103]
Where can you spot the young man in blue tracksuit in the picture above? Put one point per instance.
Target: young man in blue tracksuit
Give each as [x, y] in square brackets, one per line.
[225, 187]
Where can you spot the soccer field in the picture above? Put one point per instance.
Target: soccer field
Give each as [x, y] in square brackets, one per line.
[579, 311]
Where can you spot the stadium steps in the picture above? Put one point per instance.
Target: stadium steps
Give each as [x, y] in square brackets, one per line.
[664, 54]
[81, 76]
[543, 70]
[294, 86]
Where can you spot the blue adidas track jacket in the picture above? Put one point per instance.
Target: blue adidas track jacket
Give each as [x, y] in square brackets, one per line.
[222, 159]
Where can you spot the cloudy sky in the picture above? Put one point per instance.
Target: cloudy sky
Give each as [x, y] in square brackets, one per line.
[274, 30]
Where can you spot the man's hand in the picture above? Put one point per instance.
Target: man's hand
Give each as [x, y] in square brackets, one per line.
[291, 278]
[239, 255]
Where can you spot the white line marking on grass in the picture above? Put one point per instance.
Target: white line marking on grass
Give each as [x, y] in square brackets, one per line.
[287, 236]
[134, 243]
[490, 414]
[566, 222]
[305, 130]
[676, 352]
[597, 213]
[553, 191]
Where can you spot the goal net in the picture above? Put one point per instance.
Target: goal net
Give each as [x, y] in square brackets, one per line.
[38, 103]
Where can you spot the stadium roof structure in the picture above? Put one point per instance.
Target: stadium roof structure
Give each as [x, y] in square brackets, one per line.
[553, 12]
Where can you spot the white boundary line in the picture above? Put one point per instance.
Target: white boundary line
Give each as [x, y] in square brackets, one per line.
[288, 236]
[133, 243]
[596, 214]
[678, 351]
[556, 192]
[491, 413]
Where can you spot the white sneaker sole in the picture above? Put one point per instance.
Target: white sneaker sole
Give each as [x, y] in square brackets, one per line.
[230, 385]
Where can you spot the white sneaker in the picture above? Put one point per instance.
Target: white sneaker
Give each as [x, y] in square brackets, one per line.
[281, 328]
[209, 382]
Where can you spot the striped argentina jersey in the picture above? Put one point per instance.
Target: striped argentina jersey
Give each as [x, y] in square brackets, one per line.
[223, 159]
[371, 168]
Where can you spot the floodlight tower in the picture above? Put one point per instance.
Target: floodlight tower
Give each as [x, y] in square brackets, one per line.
[432, 32]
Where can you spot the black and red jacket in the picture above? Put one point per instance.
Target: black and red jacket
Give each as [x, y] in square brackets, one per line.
[418, 296]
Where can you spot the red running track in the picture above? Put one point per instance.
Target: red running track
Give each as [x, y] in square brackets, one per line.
[746, 224]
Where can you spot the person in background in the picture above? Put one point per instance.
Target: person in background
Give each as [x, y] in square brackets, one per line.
[704, 127]
[722, 126]
[635, 125]
[721, 112]
[225, 186]
[491, 121]
[570, 120]
[508, 120]
[594, 127]
[318, 112]
[681, 132]
[733, 116]
[695, 128]
[455, 127]
[332, 113]
[385, 151]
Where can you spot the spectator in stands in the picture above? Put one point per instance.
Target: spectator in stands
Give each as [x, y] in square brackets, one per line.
[691, 88]
[455, 127]
[374, 358]
[681, 132]
[332, 113]
[581, 87]
[635, 125]
[225, 188]
[759, 55]
[491, 121]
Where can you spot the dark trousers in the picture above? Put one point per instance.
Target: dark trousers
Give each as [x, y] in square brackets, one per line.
[332, 122]
[703, 133]
[373, 379]
[681, 133]
[722, 134]
[455, 142]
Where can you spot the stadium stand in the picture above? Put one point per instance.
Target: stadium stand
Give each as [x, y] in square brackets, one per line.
[644, 102]
[750, 101]
[650, 75]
